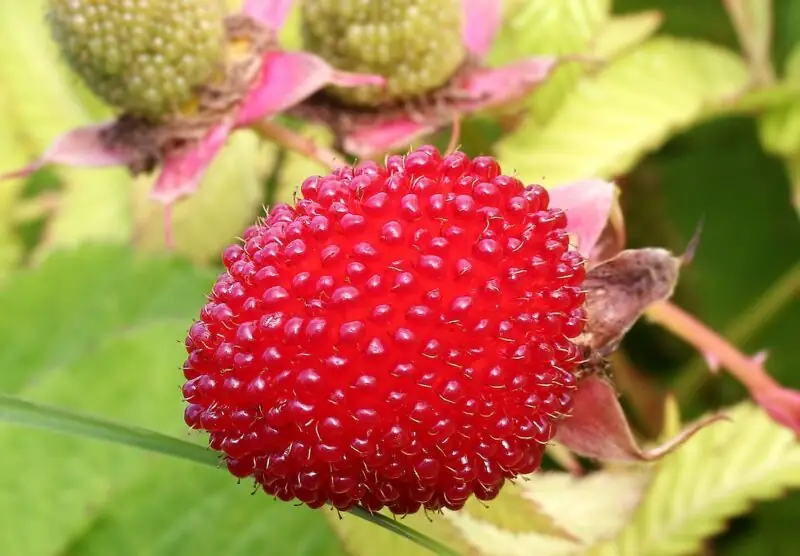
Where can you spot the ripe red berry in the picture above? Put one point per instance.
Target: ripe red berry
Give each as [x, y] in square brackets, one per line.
[400, 337]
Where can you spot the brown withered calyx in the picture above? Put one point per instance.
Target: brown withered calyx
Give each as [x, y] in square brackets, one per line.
[618, 291]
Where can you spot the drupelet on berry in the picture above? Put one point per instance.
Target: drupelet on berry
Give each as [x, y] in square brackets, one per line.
[400, 337]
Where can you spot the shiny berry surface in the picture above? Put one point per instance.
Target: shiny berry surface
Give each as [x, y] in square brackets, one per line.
[400, 337]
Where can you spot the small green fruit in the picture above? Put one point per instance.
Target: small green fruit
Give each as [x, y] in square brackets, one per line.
[142, 56]
[415, 44]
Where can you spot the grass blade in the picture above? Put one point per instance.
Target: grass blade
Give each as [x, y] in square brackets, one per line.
[31, 414]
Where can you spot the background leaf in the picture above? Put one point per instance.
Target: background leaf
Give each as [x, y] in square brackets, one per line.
[42, 92]
[229, 199]
[537, 27]
[621, 33]
[718, 474]
[671, 163]
[629, 108]
[360, 538]
[588, 508]
[111, 354]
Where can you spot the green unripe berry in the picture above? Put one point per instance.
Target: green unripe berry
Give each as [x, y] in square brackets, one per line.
[142, 56]
[415, 44]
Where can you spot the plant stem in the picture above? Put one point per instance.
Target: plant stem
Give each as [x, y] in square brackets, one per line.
[753, 320]
[685, 326]
[282, 135]
[455, 134]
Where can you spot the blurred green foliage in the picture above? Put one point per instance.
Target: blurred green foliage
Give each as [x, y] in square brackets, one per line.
[93, 309]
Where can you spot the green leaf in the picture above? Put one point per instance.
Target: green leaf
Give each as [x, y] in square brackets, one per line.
[101, 336]
[227, 201]
[80, 485]
[622, 33]
[544, 514]
[715, 476]
[536, 27]
[59, 311]
[200, 511]
[490, 540]
[592, 507]
[33, 415]
[93, 207]
[752, 20]
[629, 108]
[10, 250]
[514, 511]
[581, 510]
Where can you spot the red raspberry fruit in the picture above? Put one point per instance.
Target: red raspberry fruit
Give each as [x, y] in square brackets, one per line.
[398, 338]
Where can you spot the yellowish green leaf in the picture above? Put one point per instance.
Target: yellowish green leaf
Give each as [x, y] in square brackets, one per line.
[779, 129]
[536, 27]
[360, 538]
[94, 206]
[624, 32]
[593, 507]
[489, 540]
[227, 201]
[290, 35]
[515, 511]
[556, 514]
[613, 118]
[715, 476]
[42, 102]
[35, 81]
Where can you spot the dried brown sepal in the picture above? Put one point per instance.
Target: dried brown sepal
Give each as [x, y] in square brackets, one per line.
[619, 290]
[598, 427]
